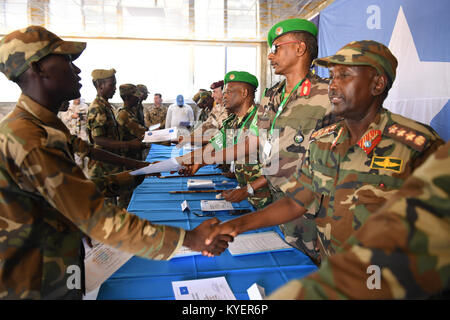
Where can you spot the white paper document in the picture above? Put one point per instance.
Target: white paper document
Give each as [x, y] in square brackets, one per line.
[203, 289]
[154, 127]
[163, 166]
[168, 134]
[256, 243]
[215, 205]
[198, 184]
[101, 262]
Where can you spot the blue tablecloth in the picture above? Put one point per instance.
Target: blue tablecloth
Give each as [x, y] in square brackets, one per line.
[140, 278]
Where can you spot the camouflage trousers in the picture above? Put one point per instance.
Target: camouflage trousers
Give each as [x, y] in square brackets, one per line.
[301, 233]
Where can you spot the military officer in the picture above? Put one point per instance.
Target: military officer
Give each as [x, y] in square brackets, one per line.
[102, 126]
[287, 115]
[129, 128]
[47, 203]
[239, 100]
[353, 166]
[156, 113]
[401, 252]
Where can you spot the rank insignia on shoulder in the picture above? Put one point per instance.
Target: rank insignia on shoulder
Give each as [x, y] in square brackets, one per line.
[322, 132]
[370, 140]
[387, 163]
[305, 88]
[408, 136]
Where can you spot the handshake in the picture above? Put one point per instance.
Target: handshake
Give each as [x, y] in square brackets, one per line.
[211, 237]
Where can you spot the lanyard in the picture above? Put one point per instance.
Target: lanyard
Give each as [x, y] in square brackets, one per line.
[280, 108]
[243, 125]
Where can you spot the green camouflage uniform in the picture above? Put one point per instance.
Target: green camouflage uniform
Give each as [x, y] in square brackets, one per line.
[47, 205]
[246, 172]
[347, 183]
[302, 113]
[101, 122]
[154, 115]
[129, 129]
[408, 239]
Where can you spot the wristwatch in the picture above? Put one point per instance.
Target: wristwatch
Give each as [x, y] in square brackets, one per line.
[250, 190]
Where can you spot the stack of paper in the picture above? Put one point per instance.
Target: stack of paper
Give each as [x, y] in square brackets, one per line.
[203, 289]
[154, 127]
[168, 134]
[163, 166]
[197, 184]
[256, 243]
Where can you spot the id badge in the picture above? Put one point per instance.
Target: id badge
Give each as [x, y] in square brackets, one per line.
[267, 149]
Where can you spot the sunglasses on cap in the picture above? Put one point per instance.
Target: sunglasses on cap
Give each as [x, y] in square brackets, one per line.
[274, 47]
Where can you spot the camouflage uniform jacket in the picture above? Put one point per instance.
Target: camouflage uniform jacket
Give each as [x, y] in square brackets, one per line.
[246, 172]
[101, 122]
[218, 114]
[349, 182]
[129, 129]
[154, 115]
[302, 113]
[47, 205]
[408, 239]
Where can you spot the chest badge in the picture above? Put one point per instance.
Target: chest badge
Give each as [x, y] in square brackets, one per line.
[299, 138]
[387, 163]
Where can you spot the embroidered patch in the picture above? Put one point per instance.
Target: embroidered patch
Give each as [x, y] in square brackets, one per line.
[232, 76]
[306, 88]
[387, 163]
[278, 31]
[370, 140]
[408, 136]
[323, 131]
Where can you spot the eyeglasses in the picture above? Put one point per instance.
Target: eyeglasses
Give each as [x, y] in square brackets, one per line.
[274, 47]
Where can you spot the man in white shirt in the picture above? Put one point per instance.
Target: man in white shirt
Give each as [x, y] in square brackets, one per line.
[179, 114]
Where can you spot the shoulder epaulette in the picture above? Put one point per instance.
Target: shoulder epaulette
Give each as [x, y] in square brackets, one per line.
[322, 132]
[411, 137]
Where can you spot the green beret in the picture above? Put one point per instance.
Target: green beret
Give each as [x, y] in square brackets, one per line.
[98, 74]
[241, 76]
[290, 25]
[364, 53]
[22, 47]
[129, 89]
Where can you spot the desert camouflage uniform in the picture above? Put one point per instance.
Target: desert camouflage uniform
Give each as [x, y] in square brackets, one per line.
[408, 239]
[302, 113]
[101, 122]
[47, 205]
[347, 183]
[215, 119]
[246, 172]
[154, 115]
[129, 129]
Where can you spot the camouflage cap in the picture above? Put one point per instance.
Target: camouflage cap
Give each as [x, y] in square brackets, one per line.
[290, 25]
[22, 47]
[364, 53]
[142, 89]
[98, 74]
[241, 76]
[129, 89]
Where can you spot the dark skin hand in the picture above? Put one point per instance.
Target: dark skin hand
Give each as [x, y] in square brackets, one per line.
[195, 239]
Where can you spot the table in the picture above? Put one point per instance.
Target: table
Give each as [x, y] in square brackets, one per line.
[147, 279]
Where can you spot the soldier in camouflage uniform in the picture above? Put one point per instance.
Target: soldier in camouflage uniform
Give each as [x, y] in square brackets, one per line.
[129, 128]
[143, 95]
[293, 108]
[408, 240]
[353, 166]
[156, 113]
[47, 204]
[242, 110]
[102, 126]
